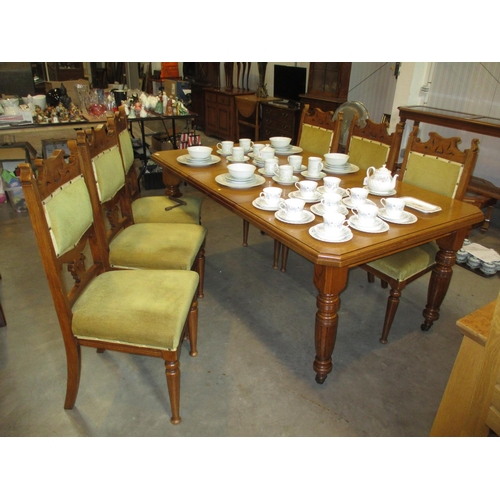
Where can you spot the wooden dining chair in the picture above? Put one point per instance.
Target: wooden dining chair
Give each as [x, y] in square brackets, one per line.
[372, 145]
[150, 208]
[318, 132]
[152, 245]
[439, 166]
[145, 312]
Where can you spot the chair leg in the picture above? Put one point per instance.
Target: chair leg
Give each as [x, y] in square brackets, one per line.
[277, 248]
[390, 313]
[486, 223]
[284, 258]
[383, 284]
[192, 326]
[246, 226]
[74, 367]
[371, 278]
[173, 375]
[200, 268]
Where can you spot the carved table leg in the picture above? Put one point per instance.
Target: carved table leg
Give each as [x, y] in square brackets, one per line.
[441, 276]
[172, 183]
[330, 282]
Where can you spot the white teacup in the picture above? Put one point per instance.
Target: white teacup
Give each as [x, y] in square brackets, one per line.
[285, 173]
[246, 144]
[367, 214]
[331, 201]
[238, 153]
[307, 188]
[314, 165]
[271, 196]
[331, 183]
[271, 166]
[293, 208]
[394, 207]
[334, 222]
[358, 195]
[225, 146]
[295, 161]
[266, 152]
[256, 149]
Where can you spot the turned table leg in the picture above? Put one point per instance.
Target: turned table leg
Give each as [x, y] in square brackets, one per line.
[330, 282]
[172, 183]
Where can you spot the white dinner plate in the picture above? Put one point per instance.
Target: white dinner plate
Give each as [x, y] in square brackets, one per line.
[406, 217]
[318, 233]
[258, 180]
[348, 169]
[379, 227]
[306, 217]
[187, 160]
[289, 150]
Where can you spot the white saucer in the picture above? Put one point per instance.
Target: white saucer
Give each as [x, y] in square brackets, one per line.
[307, 175]
[296, 194]
[260, 163]
[231, 159]
[299, 169]
[379, 227]
[261, 171]
[306, 217]
[219, 152]
[318, 233]
[230, 178]
[289, 150]
[406, 217]
[287, 183]
[258, 180]
[338, 190]
[262, 205]
[319, 209]
[348, 168]
[187, 160]
[378, 193]
[347, 202]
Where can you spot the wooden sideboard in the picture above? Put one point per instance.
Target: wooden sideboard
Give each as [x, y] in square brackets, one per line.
[220, 112]
[279, 120]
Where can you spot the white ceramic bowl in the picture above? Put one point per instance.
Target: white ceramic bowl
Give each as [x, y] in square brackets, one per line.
[336, 159]
[199, 152]
[241, 171]
[280, 142]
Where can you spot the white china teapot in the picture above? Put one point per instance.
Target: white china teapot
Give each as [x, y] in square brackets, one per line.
[380, 180]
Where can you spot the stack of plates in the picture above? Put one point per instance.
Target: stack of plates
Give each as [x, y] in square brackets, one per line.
[348, 168]
[229, 181]
[289, 150]
[192, 162]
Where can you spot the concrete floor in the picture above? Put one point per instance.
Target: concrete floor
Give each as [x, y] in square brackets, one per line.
[253, 375]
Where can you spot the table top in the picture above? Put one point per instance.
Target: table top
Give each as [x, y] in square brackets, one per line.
[362, 248]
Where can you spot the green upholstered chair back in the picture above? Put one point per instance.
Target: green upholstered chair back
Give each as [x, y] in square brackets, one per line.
[433, 173]
[317, 140]
[108, 172]
[366, 153]
[126, 149]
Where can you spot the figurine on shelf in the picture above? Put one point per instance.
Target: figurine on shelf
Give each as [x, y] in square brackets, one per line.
[64, 98]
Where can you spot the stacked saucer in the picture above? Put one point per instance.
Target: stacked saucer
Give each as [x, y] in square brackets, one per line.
[198, 156]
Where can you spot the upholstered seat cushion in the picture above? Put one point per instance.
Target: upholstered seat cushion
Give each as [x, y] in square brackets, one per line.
[367, 153]
[157, 246]
[141, 307]
[405, 264]
[152, 209]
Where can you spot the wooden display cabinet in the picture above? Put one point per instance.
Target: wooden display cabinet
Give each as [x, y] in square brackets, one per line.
[61, 72]
[328, 85]
[279, 120]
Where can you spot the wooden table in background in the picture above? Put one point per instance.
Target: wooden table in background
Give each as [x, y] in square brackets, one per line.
[332, 261]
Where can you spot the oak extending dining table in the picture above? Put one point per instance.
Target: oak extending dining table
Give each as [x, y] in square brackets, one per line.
[332, 261]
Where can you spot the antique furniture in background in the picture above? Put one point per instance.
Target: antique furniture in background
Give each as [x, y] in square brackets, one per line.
[436, 165]
[279, 120]
[328, 85]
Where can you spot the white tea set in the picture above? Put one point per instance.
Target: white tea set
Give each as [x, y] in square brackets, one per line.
[198, 156]
[240, 176]
[237, 153]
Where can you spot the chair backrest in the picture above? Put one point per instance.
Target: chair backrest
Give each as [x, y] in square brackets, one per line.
[438, 165]
[318, 133]
[102, 166]
[61, 213]
[371, 145]
[119, 123]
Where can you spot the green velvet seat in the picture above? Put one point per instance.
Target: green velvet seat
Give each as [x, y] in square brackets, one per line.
[151, 245]
[142, 312]
[439, 166]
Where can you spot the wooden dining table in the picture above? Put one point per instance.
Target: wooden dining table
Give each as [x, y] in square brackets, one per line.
[332, 261]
